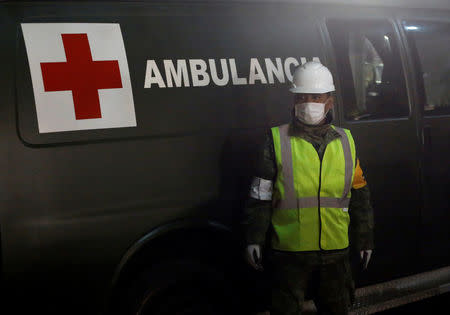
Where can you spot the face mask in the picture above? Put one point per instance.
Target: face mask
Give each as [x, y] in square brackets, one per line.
[310, 113]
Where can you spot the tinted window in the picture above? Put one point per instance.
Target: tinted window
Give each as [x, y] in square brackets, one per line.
[369, 66]
[431, 42]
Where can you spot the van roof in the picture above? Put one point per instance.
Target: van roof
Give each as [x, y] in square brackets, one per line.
[432, 4]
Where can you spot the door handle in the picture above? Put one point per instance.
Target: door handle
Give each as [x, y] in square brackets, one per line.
[426, 137]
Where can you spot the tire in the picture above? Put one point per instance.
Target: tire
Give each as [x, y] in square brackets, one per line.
[184, 286]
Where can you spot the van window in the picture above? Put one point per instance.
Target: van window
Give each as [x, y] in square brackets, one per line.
[370, 69]
[431, 41]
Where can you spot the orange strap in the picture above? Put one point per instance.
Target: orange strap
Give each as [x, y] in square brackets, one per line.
[358, 181]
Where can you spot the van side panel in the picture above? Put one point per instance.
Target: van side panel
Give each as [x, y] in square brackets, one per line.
[78, 200]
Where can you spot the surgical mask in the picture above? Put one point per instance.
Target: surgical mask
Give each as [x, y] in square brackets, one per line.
[310, 113]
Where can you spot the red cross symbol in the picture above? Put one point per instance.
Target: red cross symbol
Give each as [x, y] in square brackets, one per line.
[81, 75]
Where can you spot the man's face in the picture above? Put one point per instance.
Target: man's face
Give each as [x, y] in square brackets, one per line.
[326, 98]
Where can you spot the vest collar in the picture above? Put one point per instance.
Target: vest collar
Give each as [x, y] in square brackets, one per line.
[316, 135]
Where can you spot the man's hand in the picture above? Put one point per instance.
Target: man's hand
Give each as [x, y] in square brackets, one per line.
[253, 256]
[365, 257]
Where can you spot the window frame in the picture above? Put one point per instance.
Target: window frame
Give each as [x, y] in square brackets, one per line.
[415, 64]
[331, 54]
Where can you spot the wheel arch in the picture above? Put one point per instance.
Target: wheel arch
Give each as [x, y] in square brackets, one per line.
[169, 241]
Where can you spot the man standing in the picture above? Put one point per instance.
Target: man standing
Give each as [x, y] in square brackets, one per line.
[309, 192]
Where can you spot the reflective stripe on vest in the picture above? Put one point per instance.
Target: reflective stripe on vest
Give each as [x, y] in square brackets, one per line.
[299, 220]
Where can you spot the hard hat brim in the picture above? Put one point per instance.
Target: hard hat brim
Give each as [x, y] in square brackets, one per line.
[320, 90]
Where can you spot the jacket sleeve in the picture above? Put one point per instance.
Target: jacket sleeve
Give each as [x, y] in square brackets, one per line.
[257, 213]
[361, 213]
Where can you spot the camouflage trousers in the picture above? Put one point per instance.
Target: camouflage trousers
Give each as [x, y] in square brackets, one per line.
[326, 277]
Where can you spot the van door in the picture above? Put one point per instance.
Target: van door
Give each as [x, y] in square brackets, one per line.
[373, 103]
[429, 43]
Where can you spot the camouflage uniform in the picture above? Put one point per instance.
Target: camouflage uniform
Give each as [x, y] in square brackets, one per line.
[325, 273]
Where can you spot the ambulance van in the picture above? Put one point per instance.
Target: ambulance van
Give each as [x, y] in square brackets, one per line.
[130, 130]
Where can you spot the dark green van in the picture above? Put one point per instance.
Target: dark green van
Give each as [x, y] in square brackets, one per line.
[129, 131]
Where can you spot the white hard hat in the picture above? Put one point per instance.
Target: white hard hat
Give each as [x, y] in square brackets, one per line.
[312, 77]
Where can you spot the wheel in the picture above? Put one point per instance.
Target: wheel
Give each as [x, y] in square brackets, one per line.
[185, 286]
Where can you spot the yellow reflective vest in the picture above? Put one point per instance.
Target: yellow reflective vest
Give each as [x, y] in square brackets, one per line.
[311, 196]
